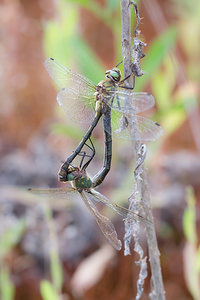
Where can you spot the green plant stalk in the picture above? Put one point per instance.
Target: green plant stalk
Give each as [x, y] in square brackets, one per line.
[55, 265]
[189, 227]
[48, 291]
[6, 286]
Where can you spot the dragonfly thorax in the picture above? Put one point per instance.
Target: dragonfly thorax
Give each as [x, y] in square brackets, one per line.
[82, 181]
[102, 92]
[79, 178]
[104, 88]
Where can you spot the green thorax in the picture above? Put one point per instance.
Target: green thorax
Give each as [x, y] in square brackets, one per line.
[84, 182]
[79, 178]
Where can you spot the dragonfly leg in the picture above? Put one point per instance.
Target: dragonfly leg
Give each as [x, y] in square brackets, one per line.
[118, 102]
[83, 154]
[62, 175]
[119, 63]
[127, 87]
[91, 156]
[111, 101]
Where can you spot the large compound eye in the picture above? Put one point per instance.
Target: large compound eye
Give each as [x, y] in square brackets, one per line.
[114, 74]
[62, 175]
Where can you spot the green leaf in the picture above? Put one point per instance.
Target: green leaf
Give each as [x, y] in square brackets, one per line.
[156, 54]
[159, 48]
[172, 119]
[10, 237]
[58, 34]
[197, 265]
[69, 131]
[62, 42]
[6, 286]
[163, 83]
[112, 5]
[81, 2]
[56, 270]
[48, 292]
[87, 59]
[55, 265]
[97, 9]
[189, 217]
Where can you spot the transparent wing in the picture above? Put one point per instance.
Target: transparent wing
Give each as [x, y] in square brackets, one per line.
[64, 77]
[129, 101]
[79, 108]
[59, 196]
[137, 128]
[56, 197]
[104, 223]
[77, 92]
[124, 212]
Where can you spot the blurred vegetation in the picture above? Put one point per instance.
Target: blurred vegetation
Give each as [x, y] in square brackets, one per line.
[9, 238]
[51, 291]
[172, 78]
[192, 249]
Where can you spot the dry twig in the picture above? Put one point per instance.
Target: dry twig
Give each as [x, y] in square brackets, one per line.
[134, 68]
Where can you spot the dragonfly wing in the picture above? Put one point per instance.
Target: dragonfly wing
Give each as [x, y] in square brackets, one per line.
[78, 108]
[56, 197]
[77, 92]
[137, 128]
[64, 77]
[124, 212]
[129, 101]
[104, 223]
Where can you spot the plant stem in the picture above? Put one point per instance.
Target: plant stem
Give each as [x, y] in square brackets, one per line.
[154, 256]
[126, 40]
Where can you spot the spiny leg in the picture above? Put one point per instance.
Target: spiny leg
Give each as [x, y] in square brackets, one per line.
[84, 155]
[127, 87]
[62, 175]
[119, 63]
[118, 102]
[91, 156]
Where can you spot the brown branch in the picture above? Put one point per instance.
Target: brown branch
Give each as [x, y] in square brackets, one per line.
[142, 182]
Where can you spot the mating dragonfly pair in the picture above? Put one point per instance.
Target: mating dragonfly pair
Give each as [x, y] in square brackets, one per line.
[118, 105]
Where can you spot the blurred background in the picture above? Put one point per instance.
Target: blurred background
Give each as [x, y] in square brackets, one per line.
[61, 254]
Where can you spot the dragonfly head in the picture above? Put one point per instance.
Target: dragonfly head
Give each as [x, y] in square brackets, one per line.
[114, 74]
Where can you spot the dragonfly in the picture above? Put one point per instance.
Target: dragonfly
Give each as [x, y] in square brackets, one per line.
[82, 188]
[85, 102]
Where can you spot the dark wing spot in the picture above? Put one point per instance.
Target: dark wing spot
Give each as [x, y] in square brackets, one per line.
[51, 58]
[157, 124]
[29, 189]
